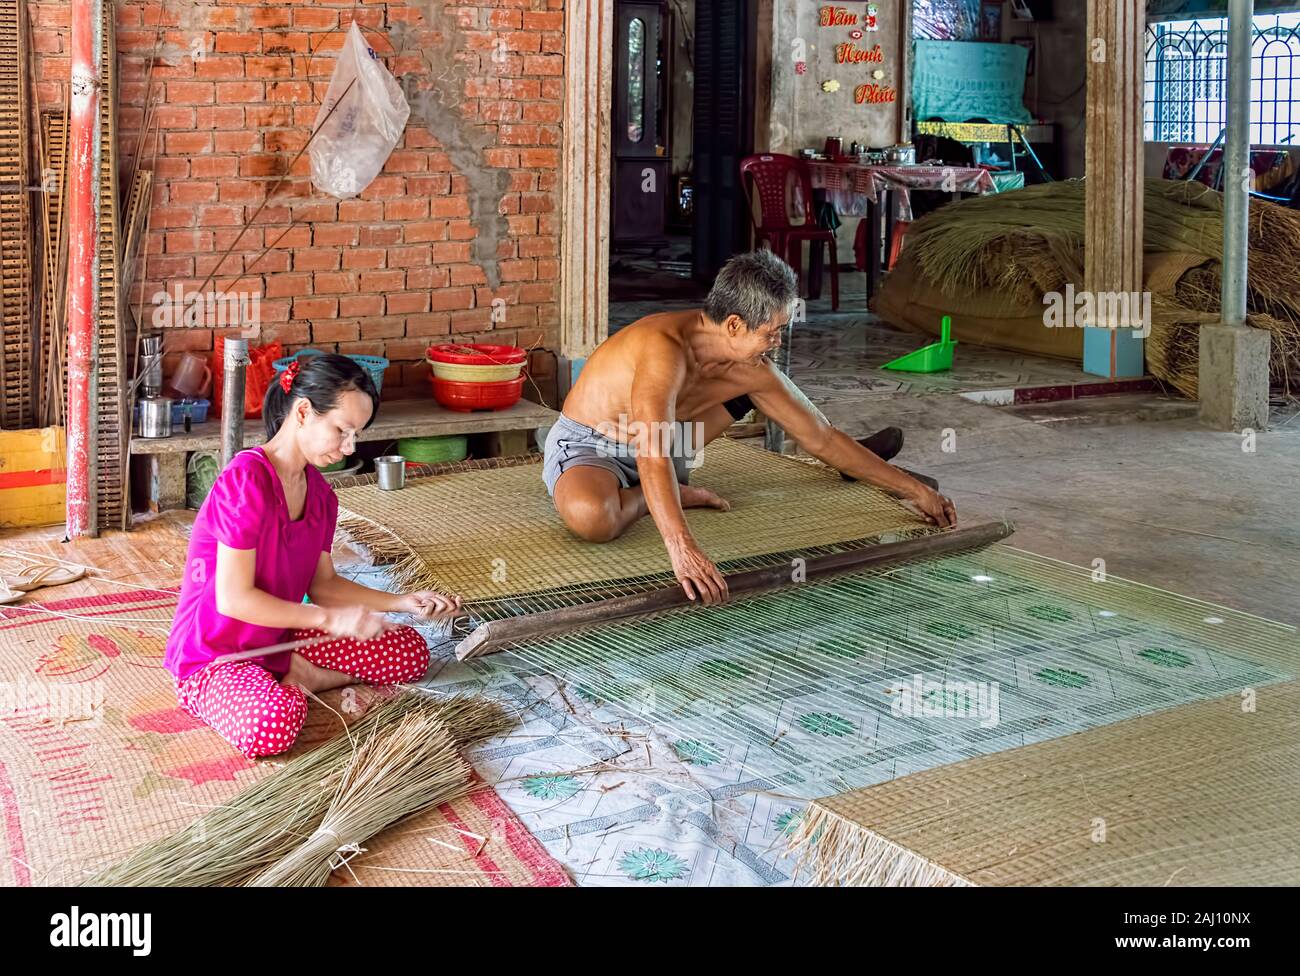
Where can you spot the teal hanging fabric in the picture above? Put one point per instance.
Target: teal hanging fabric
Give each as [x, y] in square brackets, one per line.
[966, 81]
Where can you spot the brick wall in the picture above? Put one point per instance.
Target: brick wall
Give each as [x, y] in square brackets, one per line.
[464, 212]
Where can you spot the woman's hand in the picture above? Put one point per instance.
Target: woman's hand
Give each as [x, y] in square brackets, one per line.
[356, 622]
[430, 605]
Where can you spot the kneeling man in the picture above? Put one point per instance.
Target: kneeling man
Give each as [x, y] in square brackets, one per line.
[658, 390]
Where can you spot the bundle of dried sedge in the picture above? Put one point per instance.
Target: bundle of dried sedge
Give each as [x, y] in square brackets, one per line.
[286, 812]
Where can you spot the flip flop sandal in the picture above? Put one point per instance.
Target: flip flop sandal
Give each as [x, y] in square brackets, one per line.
[9, 596]
[34, 577]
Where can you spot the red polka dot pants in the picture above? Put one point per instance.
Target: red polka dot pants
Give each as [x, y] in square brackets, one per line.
[246, 704]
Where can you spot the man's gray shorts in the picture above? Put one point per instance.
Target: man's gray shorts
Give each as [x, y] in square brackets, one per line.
[570, 443]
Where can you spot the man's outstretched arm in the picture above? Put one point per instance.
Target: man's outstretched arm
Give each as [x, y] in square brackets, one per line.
[659, 374]
[785, 403]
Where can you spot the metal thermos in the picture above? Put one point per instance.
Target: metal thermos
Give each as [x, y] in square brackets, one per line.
[151, 365]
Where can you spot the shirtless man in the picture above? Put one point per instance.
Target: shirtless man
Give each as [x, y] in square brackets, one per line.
[656, 391]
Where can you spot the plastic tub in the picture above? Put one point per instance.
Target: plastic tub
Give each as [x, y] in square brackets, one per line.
[476, 354]
[467, 397]
[433, 450]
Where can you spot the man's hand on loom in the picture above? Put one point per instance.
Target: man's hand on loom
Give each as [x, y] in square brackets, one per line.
[697, 573]
[356, 622]
[936, 508]
[430, 605]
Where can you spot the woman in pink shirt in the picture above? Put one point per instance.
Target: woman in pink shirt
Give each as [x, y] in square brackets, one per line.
[260, 543]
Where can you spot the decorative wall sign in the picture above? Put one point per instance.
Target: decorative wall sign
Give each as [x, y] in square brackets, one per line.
[850, 53]
[831, 16]
[875, 94]
[836, 17]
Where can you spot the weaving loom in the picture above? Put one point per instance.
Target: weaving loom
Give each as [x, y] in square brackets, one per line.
[801, 682]
[494, 538]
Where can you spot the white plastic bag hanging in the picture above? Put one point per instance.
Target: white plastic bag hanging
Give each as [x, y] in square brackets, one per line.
[353, 144]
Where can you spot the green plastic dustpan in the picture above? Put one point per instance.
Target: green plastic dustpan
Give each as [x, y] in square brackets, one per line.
[933, 358]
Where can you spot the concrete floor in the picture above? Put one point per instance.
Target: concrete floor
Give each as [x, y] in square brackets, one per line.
[1164, 502]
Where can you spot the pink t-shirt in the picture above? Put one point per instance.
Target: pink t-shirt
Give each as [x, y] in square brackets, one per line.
[246, 509]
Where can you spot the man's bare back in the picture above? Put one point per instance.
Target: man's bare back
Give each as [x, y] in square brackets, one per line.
[602, 397]
[616, 453]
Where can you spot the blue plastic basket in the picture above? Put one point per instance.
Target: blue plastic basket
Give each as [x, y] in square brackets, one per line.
[198, 412]
[374, 365]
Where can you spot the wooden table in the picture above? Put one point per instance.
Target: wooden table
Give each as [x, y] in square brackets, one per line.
[879, 185]
[166, 457]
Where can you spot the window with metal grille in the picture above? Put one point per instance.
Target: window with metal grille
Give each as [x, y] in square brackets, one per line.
[1187, 80]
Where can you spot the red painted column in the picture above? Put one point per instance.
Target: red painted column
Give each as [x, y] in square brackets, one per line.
[83, 258]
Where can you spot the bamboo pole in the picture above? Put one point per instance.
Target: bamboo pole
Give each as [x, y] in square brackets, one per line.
[83, 259]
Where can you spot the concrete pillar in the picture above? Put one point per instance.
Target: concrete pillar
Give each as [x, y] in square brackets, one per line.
[1233, 380]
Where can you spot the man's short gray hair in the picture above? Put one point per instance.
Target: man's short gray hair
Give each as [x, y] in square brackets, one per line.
[755, 286]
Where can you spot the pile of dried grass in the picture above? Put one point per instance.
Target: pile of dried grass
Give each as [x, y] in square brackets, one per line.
[296, 825]
[1027, 243]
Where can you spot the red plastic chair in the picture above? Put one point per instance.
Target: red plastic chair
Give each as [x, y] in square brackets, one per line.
[771, 175]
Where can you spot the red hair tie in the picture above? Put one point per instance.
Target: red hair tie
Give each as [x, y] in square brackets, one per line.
[287, 377]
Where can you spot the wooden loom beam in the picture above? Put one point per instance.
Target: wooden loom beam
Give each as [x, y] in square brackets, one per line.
[494, 635]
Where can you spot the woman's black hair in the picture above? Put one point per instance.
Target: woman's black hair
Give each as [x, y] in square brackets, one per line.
[321, 379]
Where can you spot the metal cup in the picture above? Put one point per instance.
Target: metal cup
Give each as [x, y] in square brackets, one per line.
[391, 469]
[155, 417]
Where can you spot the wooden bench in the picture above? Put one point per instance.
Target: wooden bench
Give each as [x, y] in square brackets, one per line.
[165, 458]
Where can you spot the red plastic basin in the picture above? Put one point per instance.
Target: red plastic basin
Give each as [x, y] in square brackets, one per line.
[476, 354]
[465, 397]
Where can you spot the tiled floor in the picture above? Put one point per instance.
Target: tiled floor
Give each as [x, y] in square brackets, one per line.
[839, 355]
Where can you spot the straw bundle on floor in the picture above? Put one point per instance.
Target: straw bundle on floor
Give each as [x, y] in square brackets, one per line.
[1028, 243]
[397, 771]
[270, 820]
